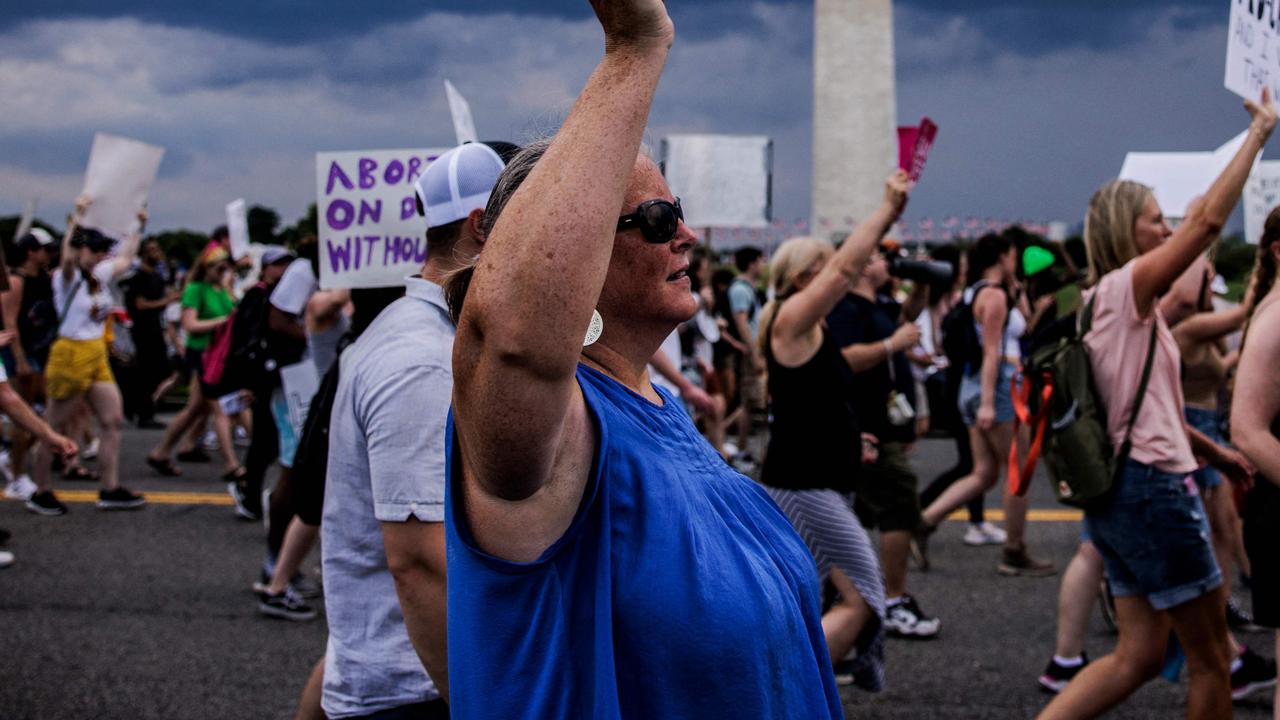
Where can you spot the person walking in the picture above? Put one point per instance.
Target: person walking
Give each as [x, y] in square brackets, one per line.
[78, 372]
[147, 294]
[1151, 531]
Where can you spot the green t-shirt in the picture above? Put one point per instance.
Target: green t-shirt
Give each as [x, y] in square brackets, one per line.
[209, 302]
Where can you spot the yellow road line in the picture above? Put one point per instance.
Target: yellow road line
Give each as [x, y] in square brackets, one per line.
[206, 498]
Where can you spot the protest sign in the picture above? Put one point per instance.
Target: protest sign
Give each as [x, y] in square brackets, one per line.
[238, 228]
[464, 126]
[27, 220]
[119, 178]
[1253, 48]
[914, 144]
[299, 383]
[370, 232]
[1178, 178]
[721, 180]
[1261, 196]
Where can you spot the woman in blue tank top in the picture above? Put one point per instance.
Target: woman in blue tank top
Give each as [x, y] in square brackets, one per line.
[603, 560]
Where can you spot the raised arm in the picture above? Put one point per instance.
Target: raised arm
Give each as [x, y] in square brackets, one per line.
[67, 259]
[807, 308]
[1255, 404]
[123, 261]
[1155, 271]
[544, 264]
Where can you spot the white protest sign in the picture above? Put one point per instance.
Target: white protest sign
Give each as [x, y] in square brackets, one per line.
[238, 228]
[464, 126]
[721, 180]
[1253, 48]
[27, 220]
[1179, 178]
[119, 178]
[1261, 196]
[370, 232]
[300, 384]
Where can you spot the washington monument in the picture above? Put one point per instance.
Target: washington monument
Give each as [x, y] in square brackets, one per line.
[854, 110]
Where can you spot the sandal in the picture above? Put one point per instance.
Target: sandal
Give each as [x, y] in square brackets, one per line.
[164, 466]
[195, 455]
[79, 473]
[235, 475]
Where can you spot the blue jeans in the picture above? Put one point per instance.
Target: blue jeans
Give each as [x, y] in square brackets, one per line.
[1153, 535]
[971, 395]
[1207, 422]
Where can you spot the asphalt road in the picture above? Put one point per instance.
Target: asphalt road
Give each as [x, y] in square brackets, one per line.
[150, 614]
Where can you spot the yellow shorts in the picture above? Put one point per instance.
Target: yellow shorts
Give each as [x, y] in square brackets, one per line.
[74, 366]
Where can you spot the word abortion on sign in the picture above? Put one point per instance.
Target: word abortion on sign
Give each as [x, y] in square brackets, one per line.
[1261, 196]
[1253, 48]
[370, 232]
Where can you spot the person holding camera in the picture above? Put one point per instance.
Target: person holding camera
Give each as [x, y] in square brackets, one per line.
[875, 333]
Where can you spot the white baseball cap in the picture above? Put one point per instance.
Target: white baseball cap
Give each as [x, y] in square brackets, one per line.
[457, 183]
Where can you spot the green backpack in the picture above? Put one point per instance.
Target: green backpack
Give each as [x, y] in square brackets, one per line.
[1070, 416]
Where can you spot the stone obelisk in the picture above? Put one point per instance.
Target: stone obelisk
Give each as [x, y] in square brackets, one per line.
[855, 140]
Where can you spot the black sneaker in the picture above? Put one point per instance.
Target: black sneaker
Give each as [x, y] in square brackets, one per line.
[1055, 677]
[1255, 673]
[906, 619]
[46, 503]
[286, 606]
[119, 499]
[1239, 619]
[248, 505]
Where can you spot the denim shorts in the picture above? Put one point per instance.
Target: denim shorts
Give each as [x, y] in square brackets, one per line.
[1153, 535]
[971, 395]
[1207, 422]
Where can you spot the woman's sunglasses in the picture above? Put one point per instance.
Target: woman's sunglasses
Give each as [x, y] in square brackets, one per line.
[658, 220]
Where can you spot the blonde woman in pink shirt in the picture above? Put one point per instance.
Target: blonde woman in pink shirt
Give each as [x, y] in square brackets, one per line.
[1152, 530]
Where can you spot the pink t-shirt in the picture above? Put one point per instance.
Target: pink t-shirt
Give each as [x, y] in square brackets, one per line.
[1117, 345]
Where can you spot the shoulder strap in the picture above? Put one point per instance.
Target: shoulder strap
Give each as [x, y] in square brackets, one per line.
[66, 304]
[1142, 390]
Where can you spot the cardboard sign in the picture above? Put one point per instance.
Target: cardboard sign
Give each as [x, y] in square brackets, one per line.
[1261, 196]
[1253, 48]
[370, 232]
[300, 384]
[721, 180]
[118, 180]
[238, 228]
[464, 126]
[914, 144]
[1178, 178]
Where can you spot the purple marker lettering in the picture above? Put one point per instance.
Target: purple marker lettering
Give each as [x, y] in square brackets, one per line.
[368, 166]
[336, 175]
[339, 215]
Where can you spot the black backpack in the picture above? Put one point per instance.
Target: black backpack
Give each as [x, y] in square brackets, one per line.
[960, 341]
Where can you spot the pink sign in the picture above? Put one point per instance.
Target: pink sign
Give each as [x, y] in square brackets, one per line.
[914, 144]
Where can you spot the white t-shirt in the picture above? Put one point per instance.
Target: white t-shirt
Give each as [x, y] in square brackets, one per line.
[295, 288]
[86, 315]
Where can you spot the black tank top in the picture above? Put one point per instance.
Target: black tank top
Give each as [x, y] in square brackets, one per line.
[814, 442]
[37, 317]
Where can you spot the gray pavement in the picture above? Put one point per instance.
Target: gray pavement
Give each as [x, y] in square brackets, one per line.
[150, 614]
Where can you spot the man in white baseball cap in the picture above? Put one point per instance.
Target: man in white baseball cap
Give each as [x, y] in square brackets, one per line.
[385, 597]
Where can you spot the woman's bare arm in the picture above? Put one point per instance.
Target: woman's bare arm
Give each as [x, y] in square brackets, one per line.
[1256, 402]
[1155, 271]
[537, 281]
[123, 261]
[800, 314]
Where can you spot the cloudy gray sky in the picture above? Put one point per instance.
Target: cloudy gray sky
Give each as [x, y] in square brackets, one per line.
[1037, 102]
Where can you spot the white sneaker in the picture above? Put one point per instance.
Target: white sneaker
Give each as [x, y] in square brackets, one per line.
[20, 489]
[209, 441]
[90, 452]
[984, 534]
[6, 466]
[241, 437]
[6, 558]
[730, 448]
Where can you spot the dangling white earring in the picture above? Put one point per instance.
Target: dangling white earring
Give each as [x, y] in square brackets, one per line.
[594, 329]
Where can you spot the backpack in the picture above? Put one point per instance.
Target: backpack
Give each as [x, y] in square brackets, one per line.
[960, 342]
[1068, 418]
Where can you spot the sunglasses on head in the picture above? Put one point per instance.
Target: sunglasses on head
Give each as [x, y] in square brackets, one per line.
[657, 220]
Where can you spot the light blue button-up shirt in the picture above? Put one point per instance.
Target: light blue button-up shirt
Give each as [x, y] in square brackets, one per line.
[386, 463]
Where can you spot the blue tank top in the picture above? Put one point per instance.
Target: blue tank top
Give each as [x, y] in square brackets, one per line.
[679, 590]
